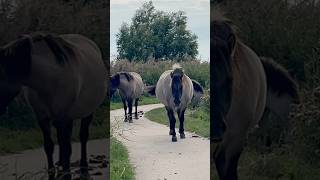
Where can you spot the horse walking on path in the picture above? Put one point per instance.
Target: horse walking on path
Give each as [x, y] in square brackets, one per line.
[243, 86]
[175, 90]
[131, 88]
[63, 78]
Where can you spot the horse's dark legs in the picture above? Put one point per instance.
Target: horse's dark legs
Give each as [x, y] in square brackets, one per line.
[136, 106]
[125, 110]
[84, 135]
[232, 166]
[181, 127]
[48, 145]
[227, 155]
[219, 159]
[130, 110]
[64, 131]
[172, 121]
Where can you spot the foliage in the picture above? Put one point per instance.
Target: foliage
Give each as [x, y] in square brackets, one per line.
[89, 18]
[287, 31]
[156, 34]
[151, 70]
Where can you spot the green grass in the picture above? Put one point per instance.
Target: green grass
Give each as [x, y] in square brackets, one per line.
[197, 121]
[144, 100]
[120, 167]
[279, 164]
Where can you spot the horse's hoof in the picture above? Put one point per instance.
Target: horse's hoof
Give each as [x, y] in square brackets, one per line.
[130, 121]
[125, 120]
[182, 136]
[136, 117]
[174, 139]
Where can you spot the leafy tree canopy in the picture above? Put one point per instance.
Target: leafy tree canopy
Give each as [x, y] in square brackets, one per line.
[155, 34]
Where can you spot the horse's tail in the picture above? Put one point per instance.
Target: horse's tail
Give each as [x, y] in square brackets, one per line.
[150, 90]
[197, 93]
[282, 89]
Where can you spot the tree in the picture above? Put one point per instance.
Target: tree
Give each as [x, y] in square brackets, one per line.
[157, 35]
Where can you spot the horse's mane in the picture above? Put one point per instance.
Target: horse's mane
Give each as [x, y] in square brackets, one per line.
[62, 49]
[278, 78]
[177, 68]
[127, 75]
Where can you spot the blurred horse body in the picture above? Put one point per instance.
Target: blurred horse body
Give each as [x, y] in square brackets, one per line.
[244, 86]
[131, 88]
[64, 79]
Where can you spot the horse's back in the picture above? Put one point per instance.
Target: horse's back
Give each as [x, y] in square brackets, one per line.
[132, 89]
[73, 89]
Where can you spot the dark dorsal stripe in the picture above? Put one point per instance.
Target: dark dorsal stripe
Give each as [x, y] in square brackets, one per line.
[196, 86]
[62, 50]
[278, 79]
[127, 75]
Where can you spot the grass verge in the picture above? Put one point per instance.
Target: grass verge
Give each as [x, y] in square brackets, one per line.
[197, 121]
[120, 167]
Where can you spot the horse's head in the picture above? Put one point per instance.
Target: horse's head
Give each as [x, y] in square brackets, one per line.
[15, 63]
[114, 83]
[176, 85]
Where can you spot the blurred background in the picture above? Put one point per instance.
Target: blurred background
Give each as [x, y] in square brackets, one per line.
[289, 32]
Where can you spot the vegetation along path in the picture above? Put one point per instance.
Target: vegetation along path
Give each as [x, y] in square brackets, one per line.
[152, 153]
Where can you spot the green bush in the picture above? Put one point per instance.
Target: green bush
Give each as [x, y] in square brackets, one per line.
[151, 70]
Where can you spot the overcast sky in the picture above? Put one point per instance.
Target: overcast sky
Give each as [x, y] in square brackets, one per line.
[197, 11]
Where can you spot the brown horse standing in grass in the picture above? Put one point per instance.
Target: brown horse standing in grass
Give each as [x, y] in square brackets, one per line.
[243, 86]
[64, 79]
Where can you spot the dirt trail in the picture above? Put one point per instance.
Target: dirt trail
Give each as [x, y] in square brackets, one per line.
[31, 164]
[153, 154]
